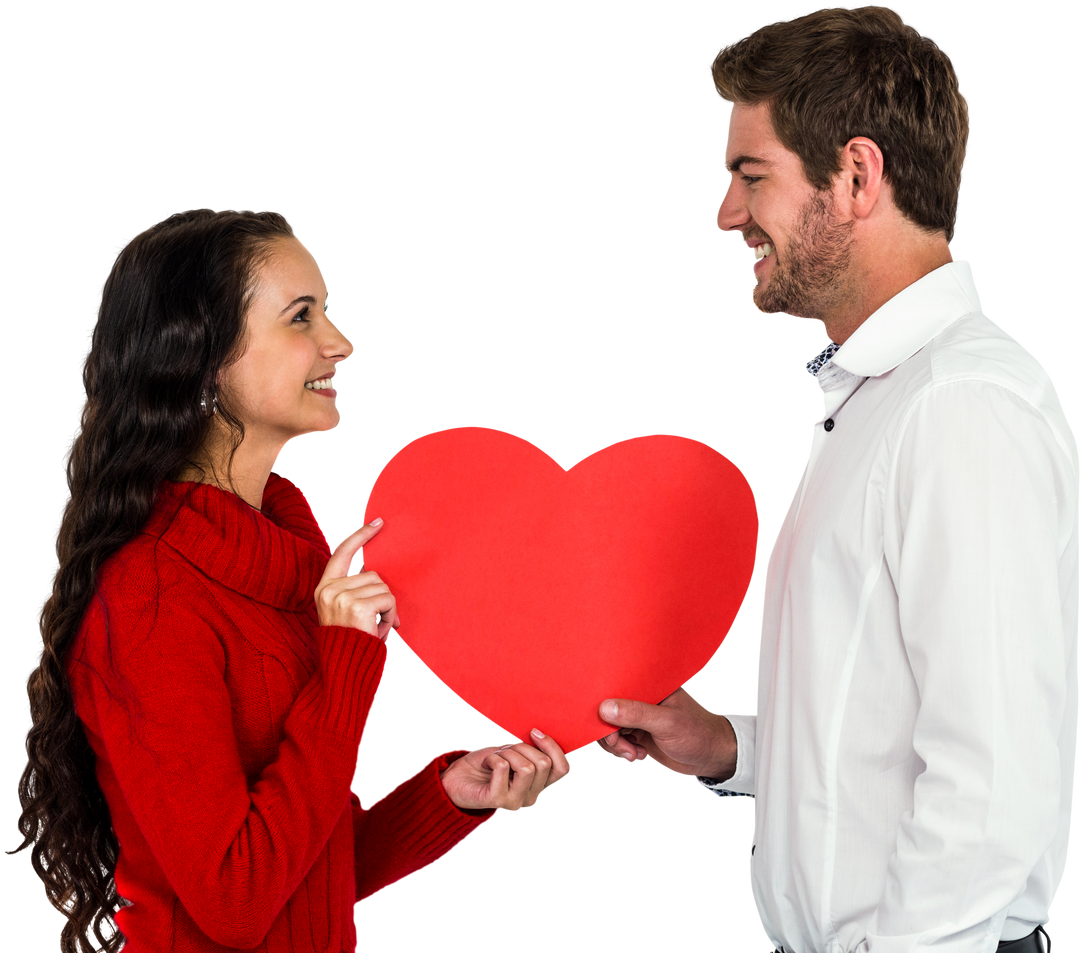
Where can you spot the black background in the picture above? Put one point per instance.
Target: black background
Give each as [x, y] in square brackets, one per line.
[520, 233]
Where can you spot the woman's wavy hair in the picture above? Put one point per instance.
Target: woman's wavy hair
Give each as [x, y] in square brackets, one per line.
[836, 74]
[172, 318]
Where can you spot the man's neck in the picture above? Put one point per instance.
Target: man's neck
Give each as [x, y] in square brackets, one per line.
[882, 279]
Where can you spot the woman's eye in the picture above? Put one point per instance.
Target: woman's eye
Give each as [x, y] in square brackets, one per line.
[301, 316]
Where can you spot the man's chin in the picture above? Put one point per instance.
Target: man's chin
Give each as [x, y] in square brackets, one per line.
[770, 309]
[763, 307]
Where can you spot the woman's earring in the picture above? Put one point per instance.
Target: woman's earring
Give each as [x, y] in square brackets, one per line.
[208, 403]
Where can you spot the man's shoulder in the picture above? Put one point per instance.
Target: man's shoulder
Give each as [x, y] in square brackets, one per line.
[974, 348]
[977, 363]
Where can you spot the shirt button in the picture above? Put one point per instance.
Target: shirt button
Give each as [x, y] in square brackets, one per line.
[828, 425]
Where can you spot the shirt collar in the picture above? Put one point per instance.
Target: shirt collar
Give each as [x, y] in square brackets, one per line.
[909, 320]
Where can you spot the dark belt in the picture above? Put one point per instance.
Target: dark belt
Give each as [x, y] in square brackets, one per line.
[1027, 944]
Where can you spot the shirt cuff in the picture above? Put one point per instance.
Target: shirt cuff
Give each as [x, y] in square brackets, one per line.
[715, 786]
[741, 783]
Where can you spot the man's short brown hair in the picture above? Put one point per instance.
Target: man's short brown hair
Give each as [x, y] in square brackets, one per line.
[837, 74]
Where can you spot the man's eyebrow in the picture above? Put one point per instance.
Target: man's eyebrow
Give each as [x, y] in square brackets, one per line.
[734, 164]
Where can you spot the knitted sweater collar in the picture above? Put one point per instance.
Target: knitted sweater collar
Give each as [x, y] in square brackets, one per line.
[275, 556]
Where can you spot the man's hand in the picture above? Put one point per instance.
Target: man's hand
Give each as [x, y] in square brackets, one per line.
[678, 733]
[509, 777]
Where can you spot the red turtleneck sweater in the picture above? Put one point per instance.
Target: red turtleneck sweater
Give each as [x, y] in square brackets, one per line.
[226, 720]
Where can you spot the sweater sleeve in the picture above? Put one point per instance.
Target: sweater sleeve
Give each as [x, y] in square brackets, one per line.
[409, 828]
[157, 711]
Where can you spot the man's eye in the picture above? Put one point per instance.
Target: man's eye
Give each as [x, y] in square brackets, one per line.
[751, 179]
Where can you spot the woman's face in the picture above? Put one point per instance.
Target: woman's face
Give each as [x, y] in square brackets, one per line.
[280, 386]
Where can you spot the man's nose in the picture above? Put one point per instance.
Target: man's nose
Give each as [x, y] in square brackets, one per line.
[733, 213]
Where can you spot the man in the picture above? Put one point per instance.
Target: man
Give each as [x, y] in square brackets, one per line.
[912, 755]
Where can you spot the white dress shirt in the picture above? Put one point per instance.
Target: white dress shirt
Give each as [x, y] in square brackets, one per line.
[912, 756]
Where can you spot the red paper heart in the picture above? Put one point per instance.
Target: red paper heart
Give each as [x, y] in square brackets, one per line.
[536, 592]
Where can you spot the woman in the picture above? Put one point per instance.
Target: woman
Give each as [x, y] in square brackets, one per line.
[207, 668]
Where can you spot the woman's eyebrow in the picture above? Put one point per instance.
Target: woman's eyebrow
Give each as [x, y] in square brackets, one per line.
[303, 299]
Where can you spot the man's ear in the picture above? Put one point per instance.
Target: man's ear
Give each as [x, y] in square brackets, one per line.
[862, 169]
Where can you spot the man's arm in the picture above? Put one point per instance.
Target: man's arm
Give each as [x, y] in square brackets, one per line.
[984, 509]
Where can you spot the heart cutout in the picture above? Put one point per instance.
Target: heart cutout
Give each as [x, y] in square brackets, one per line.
[536, 592]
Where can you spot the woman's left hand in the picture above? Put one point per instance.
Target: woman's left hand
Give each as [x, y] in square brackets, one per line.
[509, 777]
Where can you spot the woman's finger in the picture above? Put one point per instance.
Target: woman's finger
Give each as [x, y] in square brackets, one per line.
[345, 553]
[345, 607]
[560, 767]
[363, 578]
[498, 785]
[531, 772]
[520, 763]
[367, 586]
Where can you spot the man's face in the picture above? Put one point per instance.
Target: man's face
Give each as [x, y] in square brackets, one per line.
[803, 253]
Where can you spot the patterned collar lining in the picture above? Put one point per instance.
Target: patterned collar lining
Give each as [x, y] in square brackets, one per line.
[823, 356]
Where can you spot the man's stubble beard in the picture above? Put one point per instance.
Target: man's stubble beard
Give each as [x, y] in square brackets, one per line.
[813, 279]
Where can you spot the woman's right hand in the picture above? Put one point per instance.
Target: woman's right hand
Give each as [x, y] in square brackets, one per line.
[362, 601]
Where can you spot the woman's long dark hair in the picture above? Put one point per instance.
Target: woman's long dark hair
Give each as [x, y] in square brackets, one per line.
[172, 318]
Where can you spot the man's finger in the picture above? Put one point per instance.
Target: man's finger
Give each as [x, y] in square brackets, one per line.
[626, 713]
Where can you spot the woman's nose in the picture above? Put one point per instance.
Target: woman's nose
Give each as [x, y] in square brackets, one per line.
[335, 345]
